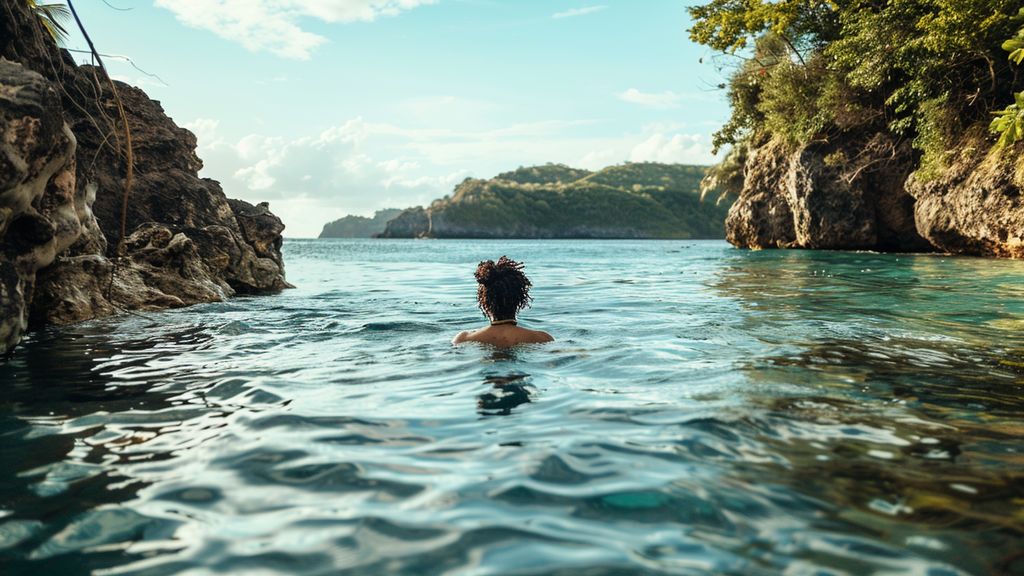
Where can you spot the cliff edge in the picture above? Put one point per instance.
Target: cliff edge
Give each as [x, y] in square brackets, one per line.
[62, 172]
[847, 195]
[815, 198]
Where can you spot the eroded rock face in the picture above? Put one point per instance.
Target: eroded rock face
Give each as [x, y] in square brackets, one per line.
[261, 230]
[761, 217]
[60, 220]
[827, 196]
[40, 209]
[816, 197]
[976, 206]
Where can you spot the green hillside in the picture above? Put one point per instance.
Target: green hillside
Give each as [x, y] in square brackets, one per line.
[359, 226]
[635, 200]
[546, 174]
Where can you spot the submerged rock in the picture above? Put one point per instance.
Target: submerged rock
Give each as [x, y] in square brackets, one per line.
[60, 220]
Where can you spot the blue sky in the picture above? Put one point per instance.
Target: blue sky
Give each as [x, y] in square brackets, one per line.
[334, 107]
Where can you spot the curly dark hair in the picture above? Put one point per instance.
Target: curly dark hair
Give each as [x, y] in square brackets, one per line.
[502, 288]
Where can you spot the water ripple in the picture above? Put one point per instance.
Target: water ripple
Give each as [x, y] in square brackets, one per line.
[704, 411]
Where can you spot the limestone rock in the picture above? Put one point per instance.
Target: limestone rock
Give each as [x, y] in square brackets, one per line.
[39, 207]
[976, 205]
[761, 217]
[846, 195]
[60, 220]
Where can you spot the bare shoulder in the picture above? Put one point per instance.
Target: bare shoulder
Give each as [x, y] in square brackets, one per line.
[540, 337]
[464, 336]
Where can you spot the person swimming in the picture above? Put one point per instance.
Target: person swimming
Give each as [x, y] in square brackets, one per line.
[502, 291]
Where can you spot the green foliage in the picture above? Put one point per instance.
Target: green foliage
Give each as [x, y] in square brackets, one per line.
[1015, 46]
[937, 127]
[916, 51]
[924, 70]
[546, 174]
[730, 25]
[725, 178]
[792, 101]
[631, 175]
[745, 91]
[629, 200]
[53, 17]
[359, 226]
[1009, 122]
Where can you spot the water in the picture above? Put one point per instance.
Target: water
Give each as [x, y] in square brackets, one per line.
[704, 410]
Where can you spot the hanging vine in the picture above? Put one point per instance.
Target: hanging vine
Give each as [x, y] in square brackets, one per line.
[128, 152]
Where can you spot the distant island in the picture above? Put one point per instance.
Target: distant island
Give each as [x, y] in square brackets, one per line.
[359, 226]
[632, 200]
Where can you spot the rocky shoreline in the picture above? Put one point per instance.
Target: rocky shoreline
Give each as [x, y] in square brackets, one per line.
[863, 193]
[62, 176]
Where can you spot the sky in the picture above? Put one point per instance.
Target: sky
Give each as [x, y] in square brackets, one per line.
[332, 107]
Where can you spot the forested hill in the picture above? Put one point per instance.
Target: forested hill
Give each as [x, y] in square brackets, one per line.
[359, 226]
[633, 200]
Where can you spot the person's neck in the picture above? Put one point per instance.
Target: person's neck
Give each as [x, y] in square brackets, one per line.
[506, 322]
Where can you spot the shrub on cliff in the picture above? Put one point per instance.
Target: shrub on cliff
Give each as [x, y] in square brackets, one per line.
[923, 70]
[1008, 123]
[53, 17]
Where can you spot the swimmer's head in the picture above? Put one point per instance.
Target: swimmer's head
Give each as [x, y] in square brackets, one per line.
[502, 288]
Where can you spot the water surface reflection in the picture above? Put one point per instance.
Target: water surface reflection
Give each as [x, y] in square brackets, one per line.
[729, 413]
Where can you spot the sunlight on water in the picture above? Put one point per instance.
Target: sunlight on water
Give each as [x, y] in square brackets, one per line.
[703, 410]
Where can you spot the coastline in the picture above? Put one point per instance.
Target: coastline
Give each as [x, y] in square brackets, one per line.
[64, 258]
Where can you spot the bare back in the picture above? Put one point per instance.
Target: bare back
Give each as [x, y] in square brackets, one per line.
[504, 335]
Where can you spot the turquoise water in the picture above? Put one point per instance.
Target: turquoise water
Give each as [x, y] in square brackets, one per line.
[705, 410]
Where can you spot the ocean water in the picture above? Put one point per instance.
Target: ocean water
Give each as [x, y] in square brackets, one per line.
[704, 410]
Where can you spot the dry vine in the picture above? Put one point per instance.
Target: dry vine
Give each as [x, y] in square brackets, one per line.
[129, 176]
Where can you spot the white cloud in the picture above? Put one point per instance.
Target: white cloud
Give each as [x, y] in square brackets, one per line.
[660, 100]
[578, 11]
[676, 148]
[655, 143]
[274, 25]
[357, 166]
[351, 132]
[207, 137]
[444, 182]
[255, 146]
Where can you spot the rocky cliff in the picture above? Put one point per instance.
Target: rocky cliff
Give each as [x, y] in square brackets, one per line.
[847, 195]
[976, 205]
[862, 193]
[62, 176]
